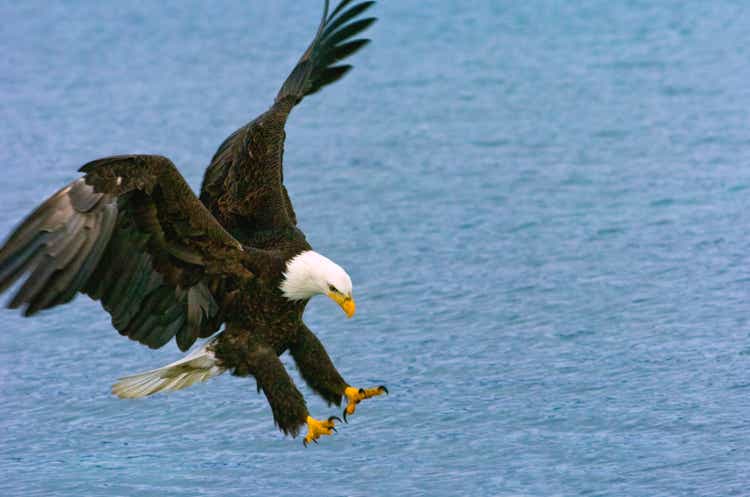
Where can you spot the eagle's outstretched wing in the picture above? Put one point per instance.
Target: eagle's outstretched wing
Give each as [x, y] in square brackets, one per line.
[243, 185]
[132, 234]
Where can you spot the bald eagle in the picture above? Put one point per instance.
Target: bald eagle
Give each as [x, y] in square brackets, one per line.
[166, 264]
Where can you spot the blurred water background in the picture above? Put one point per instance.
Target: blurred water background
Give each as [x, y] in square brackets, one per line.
[543, 206]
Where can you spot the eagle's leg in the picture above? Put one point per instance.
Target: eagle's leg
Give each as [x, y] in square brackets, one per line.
[287, 404]
[316, 367]
[318, 371]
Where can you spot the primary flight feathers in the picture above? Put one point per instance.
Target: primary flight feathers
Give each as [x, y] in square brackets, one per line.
[332, 43]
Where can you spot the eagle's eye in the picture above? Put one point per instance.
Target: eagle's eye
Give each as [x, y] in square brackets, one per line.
[332, 288]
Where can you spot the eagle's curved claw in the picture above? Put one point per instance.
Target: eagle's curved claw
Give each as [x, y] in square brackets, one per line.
[317, 428]
[356, 395]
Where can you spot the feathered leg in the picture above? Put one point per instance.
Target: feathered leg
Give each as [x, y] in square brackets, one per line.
[316, 367]
[287, 404]
[318, 371]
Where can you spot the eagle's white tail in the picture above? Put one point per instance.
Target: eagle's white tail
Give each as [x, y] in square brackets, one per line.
[199, 365]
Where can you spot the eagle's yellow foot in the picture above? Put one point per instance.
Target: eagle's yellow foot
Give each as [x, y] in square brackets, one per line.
[355, 395]
[317, 428]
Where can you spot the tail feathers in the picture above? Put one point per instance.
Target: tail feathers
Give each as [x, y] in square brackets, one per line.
[331, 44]
[199, 365]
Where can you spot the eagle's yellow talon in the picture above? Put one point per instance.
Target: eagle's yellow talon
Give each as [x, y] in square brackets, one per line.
[317, 428]
[356, 395]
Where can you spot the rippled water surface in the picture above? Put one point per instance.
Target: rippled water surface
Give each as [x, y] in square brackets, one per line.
[543, 205]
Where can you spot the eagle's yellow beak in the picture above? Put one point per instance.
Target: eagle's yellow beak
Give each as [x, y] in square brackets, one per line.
[346, 303]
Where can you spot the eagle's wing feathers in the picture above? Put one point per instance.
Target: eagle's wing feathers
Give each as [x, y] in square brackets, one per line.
[332, 43]
[245, 178]
[132, 234]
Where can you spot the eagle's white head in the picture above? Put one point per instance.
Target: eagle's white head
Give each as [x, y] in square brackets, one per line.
[309, 274]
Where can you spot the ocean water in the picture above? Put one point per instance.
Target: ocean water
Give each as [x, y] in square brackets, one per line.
[543, 206]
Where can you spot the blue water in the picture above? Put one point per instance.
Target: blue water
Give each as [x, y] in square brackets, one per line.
[543, 206]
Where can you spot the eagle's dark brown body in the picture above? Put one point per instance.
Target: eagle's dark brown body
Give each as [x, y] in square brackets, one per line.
[166, 264]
